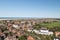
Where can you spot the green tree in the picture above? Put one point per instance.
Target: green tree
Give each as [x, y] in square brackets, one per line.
[24, 37]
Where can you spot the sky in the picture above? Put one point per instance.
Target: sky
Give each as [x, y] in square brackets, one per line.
[30, 8]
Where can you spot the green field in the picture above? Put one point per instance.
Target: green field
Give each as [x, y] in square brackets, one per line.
[54, 26]
[51, 24]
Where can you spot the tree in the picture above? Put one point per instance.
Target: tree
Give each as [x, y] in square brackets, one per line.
[24, 37]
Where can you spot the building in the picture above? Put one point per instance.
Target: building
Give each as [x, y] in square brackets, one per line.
[45, 31]
[56, 38]
[30, 38]
[15, 26]
[57, 34]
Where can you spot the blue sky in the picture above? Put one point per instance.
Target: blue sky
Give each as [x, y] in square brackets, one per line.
[30, 8]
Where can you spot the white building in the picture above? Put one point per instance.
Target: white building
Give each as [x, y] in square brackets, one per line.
[15, 26]
[56, 39]
[42, 31]
[45, 32]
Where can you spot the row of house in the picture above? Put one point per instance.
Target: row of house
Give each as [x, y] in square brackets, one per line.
[24, 25]
[15, 29]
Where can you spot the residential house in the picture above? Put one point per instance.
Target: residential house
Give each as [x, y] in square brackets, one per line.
[57, 34]
[30, 38]
[16, 26]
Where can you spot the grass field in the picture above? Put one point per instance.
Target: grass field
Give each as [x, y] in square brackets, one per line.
[51, 24]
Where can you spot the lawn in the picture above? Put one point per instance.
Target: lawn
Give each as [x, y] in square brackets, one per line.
[51, 24]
